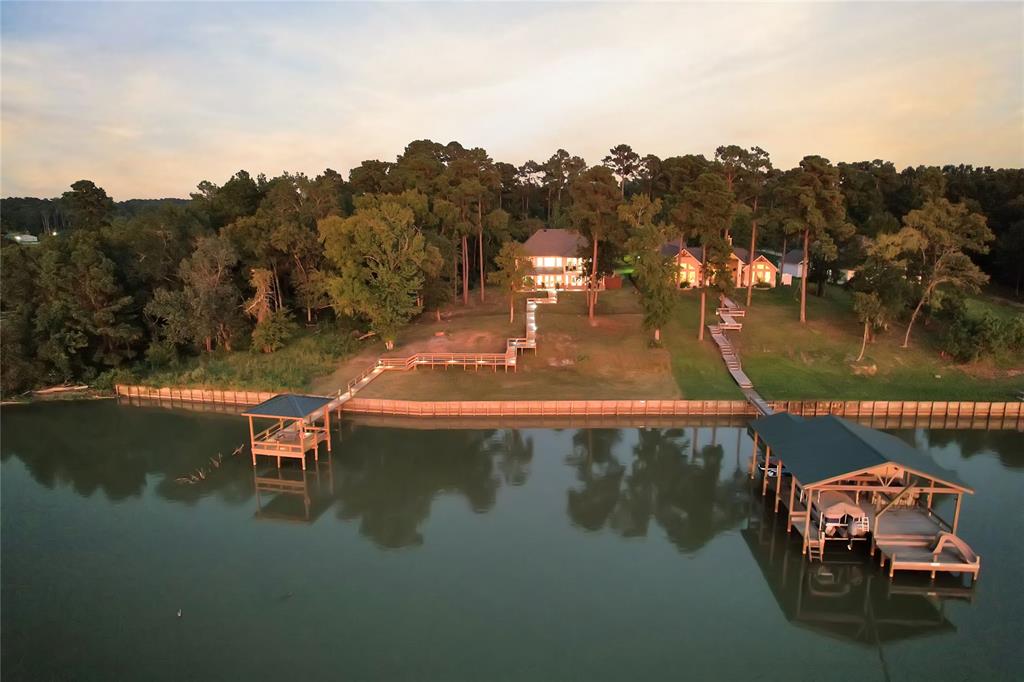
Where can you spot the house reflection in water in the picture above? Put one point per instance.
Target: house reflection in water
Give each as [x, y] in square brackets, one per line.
[293, 494]
[847, 598]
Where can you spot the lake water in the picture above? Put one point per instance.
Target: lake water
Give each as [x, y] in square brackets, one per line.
[533, 554]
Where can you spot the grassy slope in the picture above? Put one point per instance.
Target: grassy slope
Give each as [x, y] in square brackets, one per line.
[786, 360]
[312, 354]
[574, 360]
[697, 366]
[611, 359]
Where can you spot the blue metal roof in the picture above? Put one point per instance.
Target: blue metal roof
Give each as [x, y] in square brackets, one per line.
[288, 406]
[822, 448]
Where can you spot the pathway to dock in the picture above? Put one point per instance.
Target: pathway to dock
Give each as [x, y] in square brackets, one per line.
[728, 313]
[509, 358]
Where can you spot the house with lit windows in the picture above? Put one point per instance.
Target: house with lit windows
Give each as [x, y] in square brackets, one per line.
[741, 267]
[555, 260]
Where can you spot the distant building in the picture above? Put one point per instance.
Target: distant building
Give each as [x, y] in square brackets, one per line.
[742, 269]
[793, 263]
[793, 267]
[24, 239]
[555, 260]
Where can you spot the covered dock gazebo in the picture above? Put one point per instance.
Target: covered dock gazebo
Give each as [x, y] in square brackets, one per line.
[841, 481]
[300, 424]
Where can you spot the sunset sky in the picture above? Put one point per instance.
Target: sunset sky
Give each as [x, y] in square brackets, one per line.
[147, 100]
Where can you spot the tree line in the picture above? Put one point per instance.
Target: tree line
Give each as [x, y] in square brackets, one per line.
[244, 264]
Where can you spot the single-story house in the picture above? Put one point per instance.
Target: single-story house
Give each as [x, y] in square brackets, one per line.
[555, 260]
[761, 269]
[793, 266]
[793, 263]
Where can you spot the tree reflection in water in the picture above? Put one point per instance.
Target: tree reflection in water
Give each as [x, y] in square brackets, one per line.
[390, 487]
[669, 481]
[96, 446]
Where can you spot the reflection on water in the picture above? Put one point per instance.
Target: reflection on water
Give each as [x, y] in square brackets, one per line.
[388, 481]
[515, 540]
[294, 494]
[846, 596]
[664, 478]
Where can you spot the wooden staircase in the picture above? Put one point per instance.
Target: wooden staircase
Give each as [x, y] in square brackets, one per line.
[816, 549]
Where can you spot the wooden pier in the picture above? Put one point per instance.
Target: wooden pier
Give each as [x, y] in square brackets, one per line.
[842, 483]
[300, 424]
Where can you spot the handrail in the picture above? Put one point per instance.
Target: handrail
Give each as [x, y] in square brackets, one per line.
[942, 521]
[892, 502]
[506, 359]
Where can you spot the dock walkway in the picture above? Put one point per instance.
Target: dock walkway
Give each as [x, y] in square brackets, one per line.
[728, 312]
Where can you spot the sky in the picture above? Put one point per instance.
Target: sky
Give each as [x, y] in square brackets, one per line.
[149, 99]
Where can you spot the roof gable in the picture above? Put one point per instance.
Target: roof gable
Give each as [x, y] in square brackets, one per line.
[672, 249]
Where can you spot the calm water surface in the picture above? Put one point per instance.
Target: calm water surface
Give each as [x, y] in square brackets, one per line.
[465, 554]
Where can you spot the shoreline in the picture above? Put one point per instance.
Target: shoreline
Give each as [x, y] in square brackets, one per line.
[996, 414]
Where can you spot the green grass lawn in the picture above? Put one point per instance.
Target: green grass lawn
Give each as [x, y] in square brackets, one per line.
[787, 360]
[612, 357]
[574, 361]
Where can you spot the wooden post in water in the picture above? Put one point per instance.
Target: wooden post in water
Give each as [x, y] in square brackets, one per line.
[767, 463]
[252, 442]
[753, 457]
[807, 519]
[327, 427]
[789, 510]
[956, 514]
[778, 484]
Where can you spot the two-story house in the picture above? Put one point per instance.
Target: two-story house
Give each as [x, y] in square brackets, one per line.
[555, 260]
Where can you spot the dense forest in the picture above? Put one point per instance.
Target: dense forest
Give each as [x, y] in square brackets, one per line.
[243, 265]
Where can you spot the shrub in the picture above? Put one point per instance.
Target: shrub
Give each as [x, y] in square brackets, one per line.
[969, 337]
[107, 380]
[161, 354]
[274, 332]
[1013, 334]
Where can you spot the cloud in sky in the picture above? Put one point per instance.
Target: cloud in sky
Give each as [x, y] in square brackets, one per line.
[149, 99]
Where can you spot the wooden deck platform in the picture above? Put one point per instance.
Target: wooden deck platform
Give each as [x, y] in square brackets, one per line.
[467, 361]
[300, 423]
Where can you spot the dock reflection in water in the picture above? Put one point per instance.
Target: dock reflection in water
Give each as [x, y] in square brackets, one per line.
[847, 597]
[294, 494]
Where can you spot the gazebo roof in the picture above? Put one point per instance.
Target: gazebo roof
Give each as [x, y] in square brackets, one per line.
[288, 406]
[824, 448]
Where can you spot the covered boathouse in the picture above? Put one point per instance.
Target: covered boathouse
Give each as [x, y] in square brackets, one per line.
[843, 483]
[300, 424]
